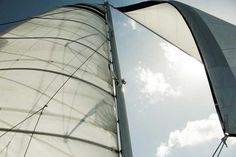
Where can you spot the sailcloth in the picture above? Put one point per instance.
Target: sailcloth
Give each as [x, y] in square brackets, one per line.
[206, 38]
[56, 88]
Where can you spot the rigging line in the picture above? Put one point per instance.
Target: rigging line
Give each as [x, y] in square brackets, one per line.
[34, 131]
[49, 86]
[43, 60]
[9, 142]
[37, 100]
[50, 98]
[64, 104]
[94, 52]
[60, 73]
[89, 10]
[62, 136]
[60, 28]
[38, 139]
[64, 45]
[49, 114]
[75, 93]
[72, 105]
[24, 52]
[220, 146]
[102, 44]
[217, 148]
[19, 83]
[74, 100]
[59, 38]
[49, 62]
[29, 18]
[82, 113]
[42, 93]
[69, 78]
[64, 19]
[10, 129]
[82, 120]
[75, 53]
[58, 44]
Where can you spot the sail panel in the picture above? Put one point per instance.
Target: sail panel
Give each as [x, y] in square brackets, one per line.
[60, 59]
[166, 21]
[225, 35]
[214, 41]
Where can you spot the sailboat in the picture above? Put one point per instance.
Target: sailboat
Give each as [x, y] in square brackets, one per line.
[60, 80]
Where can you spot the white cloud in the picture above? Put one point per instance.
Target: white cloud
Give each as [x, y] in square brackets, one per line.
[154, 85]
[172, 54]
[194, 133]
[177, 58]
[163, 150]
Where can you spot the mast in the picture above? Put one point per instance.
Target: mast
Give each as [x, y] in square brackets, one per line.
[126, 149]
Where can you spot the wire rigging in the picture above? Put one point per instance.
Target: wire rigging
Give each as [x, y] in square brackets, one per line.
[29, 18]
[69, 76]
[220, 146]
[53, 135]
[41, 110]
[34, 131]
[58, 38]
[10, 129]
[64, 19]
[52, 95]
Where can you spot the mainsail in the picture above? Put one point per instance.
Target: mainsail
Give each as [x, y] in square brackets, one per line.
[202, 36]
[57, 96]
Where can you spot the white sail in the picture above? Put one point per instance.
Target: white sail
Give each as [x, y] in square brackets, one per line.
[166, 21]
[56, 87]
[198, 34]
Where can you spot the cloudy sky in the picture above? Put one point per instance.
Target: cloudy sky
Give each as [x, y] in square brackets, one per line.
[170, 108]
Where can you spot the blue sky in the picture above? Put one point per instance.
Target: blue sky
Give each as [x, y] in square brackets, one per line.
[170, 108]
[167, 101]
